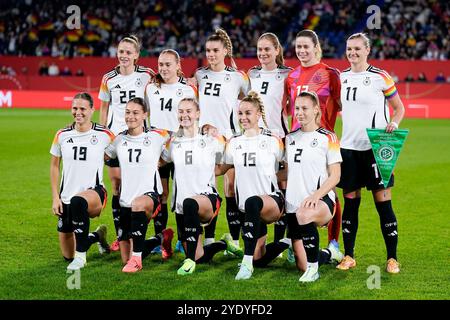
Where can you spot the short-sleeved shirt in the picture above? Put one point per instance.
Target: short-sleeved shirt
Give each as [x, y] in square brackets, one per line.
[256, 161]
[194, 159]
[118, 89]
[218, 98]
[364, 98]
[138, 157]
[269, 84]
[321, 79]
[163, 103]
[308, 155]
[82, 156]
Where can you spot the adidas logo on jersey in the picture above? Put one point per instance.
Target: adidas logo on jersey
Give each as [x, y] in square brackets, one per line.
[69, 141]
[248, 235]
[345, 81]
[205, 77]
[125, 144]
[156, 92]
[292, 143]
[117, 87]
[258, 76]
[239, 147]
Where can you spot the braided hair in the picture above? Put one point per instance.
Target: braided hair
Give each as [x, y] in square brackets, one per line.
[253, 98]
[222, 36]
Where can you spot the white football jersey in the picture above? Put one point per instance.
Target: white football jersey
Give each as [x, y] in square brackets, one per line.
[308, 155]
[82, 156]
[138, 157]
[194, 160]
[364, 105]
[270, 87]
[218, 98]
[118, 89]
[256, 160]
[163, 103]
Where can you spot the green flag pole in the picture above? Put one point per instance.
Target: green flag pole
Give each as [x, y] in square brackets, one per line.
[386, 148]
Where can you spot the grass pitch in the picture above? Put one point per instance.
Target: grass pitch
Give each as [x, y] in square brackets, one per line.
[31, 266]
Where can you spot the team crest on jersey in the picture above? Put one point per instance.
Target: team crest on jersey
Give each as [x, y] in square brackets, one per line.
[202, 143]
[146, 142]
[179, 92]
[263, 145]
[317, 78]
[278, 76]
[94, 140]
[227, 78]
[138, 82]
[366, 81]
[314, 143]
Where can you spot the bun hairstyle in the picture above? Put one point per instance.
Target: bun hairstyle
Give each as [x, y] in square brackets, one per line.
[158, 78]
[85, 96]
[276, 43]
[316, 103]
[314, 38]
[139, 101]
[253, 98]
[222, 36]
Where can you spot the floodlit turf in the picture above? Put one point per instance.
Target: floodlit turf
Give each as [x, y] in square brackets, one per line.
[31, 266]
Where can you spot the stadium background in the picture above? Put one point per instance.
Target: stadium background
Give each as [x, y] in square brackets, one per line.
[413, 38]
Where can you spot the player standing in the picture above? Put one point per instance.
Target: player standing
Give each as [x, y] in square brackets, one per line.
[365, 91]
[219, 89]
[126, 81]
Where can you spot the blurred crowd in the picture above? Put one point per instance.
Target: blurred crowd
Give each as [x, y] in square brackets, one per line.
[408, 29]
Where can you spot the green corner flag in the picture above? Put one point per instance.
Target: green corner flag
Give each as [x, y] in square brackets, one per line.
[386, 149]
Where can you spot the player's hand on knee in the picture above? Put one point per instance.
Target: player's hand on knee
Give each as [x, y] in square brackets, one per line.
[310, 202]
